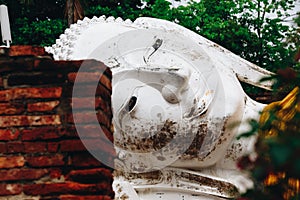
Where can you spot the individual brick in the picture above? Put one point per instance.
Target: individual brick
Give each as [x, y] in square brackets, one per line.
[94, 131]
[26, 147]
[40, 133]
[45, 161]
[73, 66]
[35, 147]
[42, 106]
[11, 65]
[90, 103]
[25, 50]
[25, 120]
[47, 64]
[71, 146]
[84, 159]
[90, 175]
[9, 134]
[92, 65]
[11, 162]
[103, 153]
[22, 174]
[14, 147]
[11, 108]
[66, 188]
[85, 77]
[86, 90]
[82, 118]
[3, 148]
[95, 144]
[90, 77]
[30, 93]
[10, 189]
[90, 118]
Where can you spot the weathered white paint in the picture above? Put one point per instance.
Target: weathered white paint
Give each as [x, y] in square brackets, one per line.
[171, 86]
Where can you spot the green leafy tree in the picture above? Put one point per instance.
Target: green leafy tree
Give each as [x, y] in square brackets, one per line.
[270, 48]
[41, 22]
[159, 9]
[242, 26]
[41, 32]
[251, 29]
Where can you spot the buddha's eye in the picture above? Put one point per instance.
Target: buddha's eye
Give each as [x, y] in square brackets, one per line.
[131, 103]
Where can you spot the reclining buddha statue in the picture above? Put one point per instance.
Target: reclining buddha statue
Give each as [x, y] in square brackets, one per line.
[178, 107]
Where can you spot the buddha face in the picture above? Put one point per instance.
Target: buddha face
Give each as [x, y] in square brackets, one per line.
[164, 101]
[156, 114]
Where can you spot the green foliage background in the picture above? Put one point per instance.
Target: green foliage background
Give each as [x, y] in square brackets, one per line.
[242, 26]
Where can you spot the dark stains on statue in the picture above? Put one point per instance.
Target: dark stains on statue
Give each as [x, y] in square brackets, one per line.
[163, 136]
[223, 187]
[195, 141]
[206, 140]
[179, 179]
[198, 140]
[153, 177]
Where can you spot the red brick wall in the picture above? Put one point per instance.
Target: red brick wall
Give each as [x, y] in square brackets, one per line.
[41, 155]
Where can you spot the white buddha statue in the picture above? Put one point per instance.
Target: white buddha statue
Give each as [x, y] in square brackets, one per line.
[178, 107]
